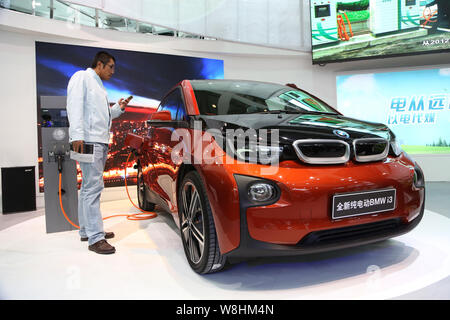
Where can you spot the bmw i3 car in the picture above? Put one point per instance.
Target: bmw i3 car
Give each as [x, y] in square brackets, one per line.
[254, 169]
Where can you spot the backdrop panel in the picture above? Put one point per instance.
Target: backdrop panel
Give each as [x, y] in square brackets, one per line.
[146, 76]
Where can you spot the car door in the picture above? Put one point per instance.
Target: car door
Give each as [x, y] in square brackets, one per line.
[163, 144]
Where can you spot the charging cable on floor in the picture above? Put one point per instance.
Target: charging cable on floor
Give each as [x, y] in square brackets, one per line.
[144, 215]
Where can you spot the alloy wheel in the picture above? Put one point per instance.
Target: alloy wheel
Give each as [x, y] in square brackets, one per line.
[192, 222]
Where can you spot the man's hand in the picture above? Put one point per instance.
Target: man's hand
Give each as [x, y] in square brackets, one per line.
[124, 102]
[78, 146]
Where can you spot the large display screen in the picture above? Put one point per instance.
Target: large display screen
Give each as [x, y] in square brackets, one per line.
[146, 76]
[414, 104]
[344, 30]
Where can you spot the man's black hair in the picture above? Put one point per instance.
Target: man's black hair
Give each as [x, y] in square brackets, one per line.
[103, 57]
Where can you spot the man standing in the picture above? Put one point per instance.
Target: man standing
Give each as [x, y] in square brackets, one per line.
[90, 119]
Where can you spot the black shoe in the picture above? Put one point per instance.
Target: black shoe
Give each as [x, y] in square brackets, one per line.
[108, 235]
[102, 247]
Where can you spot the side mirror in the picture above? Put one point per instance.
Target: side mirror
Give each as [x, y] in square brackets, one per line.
[159, 118]
[164, 119]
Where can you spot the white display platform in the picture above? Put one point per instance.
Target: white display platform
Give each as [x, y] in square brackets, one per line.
[150, 264]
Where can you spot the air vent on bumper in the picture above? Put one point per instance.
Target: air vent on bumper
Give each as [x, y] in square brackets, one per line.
[360, 232]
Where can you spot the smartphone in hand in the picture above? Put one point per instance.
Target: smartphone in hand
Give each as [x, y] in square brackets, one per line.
[123, 103]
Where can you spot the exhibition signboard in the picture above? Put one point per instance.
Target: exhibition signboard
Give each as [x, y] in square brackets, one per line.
[414, 104]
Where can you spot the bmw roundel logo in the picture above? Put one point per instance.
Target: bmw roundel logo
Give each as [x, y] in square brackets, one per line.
[341, 133]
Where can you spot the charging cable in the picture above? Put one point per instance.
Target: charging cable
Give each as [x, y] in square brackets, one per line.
[144, 215]
[342, 30]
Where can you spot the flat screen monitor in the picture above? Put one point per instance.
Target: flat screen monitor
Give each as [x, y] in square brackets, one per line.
[343, 30]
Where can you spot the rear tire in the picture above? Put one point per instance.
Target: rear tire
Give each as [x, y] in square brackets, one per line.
[197, 229]
[142, 194]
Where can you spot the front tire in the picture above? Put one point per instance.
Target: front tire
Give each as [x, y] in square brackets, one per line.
[197, 229]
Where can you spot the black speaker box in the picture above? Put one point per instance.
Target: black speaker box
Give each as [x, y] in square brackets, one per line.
[18, 189]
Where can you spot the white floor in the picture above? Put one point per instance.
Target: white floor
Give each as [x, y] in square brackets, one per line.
[150, 264]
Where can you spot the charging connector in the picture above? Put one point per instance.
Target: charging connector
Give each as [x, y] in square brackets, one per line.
[60, 159]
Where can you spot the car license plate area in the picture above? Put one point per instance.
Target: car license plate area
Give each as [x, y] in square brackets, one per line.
[361, 203]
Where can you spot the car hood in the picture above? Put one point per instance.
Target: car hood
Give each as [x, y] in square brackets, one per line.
[301, 126]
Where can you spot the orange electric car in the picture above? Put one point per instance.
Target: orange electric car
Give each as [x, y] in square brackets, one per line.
[252, 169]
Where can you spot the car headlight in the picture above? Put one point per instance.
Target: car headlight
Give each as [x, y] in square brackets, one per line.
[261, 192]
[396, 148]
[256, 191]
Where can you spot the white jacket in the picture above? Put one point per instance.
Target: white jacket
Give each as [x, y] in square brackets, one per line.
[88, 109]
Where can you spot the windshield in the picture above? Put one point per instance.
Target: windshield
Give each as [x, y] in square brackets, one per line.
[224, 97]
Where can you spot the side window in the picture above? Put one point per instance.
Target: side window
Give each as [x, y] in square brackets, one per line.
[174, 103]
[181, 114]
[172, 106]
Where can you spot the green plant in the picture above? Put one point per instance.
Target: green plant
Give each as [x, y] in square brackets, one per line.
[357, 16]
[353, 6]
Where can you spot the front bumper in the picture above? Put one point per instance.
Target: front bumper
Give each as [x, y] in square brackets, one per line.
[325, 240]
[300, 221]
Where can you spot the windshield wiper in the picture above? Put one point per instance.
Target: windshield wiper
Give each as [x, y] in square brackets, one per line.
[293, 112]
[320, 112]
[278, 112]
